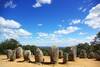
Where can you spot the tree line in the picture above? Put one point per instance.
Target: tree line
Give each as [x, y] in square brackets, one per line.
[12, 44]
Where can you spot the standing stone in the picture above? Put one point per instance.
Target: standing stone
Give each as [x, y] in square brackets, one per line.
[27, 55]
[9, 53]
[13, 55]
[39, 56]
[54, 54]
[83, 54]
[91, 55]
[72, 54]
[65, 58]
[19, 52]
[97, 55]
[60, 54]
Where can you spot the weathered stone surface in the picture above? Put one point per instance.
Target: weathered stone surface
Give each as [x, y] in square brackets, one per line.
[27, 55]
[54, 54]
[39, 56]
[83, 54]
[65, 58]
[9, 53]
[19, 52]
[91, 55]
[13, 56]
[60, 54]
[97, 55]
[72, 54]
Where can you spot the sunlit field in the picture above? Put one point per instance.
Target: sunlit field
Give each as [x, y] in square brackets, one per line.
[19, 63]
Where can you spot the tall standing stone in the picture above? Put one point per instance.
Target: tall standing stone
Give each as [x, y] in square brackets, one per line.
[65, 58]
[60, 54]
[54, 54]
[72, 54]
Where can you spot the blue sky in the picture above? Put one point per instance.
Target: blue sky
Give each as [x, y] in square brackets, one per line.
[48, 22]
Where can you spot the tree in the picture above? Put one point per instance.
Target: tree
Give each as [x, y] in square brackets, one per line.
[32, 48]
[84, 46]
[8, 44]
[98, 34]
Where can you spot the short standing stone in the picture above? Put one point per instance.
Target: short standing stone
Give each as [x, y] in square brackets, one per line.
[27, 55]
[19, 52]
[9, 53]
[39, 56]
[13, 55]
[83, 54]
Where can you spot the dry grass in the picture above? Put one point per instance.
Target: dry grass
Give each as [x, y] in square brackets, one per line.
[19, 63]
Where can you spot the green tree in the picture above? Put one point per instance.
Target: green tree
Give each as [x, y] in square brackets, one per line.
[8, 44]
[30, 47]
[84, 46]
[98, 35]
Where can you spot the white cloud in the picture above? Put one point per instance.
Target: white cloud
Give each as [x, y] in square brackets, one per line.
[74, 41]
[22, 32]
[39, 3]
[40, 24]
[12, 29]
[80, 8]
[10, 4]
[41, 34]
[9, 23]
[90, 38]
[76, 21]
[82, 33]
[68, 30]
[58, 41]
[93, 18]
[56, 37]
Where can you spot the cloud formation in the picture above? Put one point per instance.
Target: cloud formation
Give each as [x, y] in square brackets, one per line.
[10, 4]
[75, 21]
[12, 29]
[93, 18]
[39, 3]
[68, 30]
[56, 37]
[82, 33]
[9, 23]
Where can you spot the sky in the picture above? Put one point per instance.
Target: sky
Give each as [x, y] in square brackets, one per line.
[49, 22]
